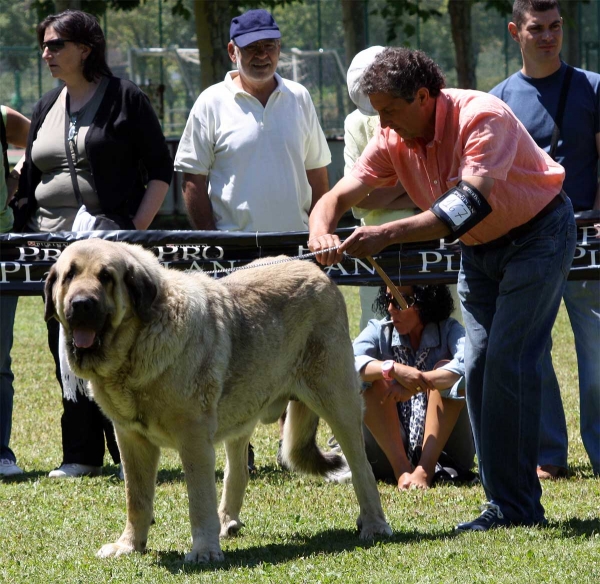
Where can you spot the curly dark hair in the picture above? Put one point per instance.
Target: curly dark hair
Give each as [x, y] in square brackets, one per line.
[401, 72]
[80, 27]
[433, 301]
[520, 7]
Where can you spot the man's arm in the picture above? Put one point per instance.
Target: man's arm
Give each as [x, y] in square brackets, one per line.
[153, 198]
[369, 240]
[388, 198]
[197, 201]
[17, 130]
[319, 183]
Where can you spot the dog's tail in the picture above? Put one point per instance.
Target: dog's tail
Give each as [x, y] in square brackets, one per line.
[299, 449]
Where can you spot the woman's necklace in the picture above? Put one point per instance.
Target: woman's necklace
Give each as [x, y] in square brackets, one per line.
[73, 125]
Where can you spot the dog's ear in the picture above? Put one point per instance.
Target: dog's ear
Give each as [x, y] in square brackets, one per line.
[50, 309]
[142, 291]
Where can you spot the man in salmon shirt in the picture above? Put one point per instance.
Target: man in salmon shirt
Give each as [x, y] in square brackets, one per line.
[473, 169]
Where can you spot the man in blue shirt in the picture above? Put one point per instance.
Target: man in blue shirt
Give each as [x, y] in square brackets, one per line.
[534, 94]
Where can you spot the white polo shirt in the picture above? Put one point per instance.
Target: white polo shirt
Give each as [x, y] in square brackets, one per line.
[255, 157]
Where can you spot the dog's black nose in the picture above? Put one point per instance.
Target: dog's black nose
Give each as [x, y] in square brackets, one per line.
[82, 304]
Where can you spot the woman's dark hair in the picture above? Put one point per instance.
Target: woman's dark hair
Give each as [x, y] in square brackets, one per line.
[80, 27]
[401, 72]
[433, 301]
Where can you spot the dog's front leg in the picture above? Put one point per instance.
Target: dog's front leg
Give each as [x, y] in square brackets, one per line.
[140, 462]
[198, 459]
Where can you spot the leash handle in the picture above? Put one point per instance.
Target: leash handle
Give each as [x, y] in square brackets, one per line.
[395, 292]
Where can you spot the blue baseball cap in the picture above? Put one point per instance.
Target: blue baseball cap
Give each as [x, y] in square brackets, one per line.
[252, 26]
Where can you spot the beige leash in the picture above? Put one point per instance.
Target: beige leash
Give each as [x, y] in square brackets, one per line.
[395, 292]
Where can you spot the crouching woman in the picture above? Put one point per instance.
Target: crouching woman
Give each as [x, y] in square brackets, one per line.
[412, 363]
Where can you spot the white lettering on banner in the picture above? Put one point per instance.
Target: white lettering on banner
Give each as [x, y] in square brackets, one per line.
[50, 254]
[589, 231]
[594, 259]
[7, 268]
[27, 252]
[190, 252]
[162, 251]
[444, 244]
[337, 267]
[579, 252]
[426, 261]
[44, 254]
[437, 258]
[194, 267]
[358, 263]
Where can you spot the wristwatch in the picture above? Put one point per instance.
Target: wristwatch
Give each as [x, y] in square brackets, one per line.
[386, 368]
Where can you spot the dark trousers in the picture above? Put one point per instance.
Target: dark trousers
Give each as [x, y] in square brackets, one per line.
[84, 426]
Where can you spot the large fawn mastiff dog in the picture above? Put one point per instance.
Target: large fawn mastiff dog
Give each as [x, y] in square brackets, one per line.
[185, 361]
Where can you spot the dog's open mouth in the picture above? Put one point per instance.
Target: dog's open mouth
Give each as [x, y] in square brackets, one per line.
[84, 338]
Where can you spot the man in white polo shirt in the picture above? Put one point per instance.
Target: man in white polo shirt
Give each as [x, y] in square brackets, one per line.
[253, 153]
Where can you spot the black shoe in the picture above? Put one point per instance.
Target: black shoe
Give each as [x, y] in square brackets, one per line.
[251, 467]
[491, 518]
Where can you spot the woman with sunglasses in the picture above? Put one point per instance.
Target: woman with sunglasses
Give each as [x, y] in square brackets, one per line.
[96, 140]
[412, 364]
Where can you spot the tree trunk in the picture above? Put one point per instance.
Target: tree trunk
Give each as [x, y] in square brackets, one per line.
[355, 38]
[213, 18]
[570, 49]
[462, 35]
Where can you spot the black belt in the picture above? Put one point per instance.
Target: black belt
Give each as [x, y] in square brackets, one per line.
[524, 229]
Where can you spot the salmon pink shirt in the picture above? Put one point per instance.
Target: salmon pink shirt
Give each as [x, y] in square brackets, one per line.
[476, 134]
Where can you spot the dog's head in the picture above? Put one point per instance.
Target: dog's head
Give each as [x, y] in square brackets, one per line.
[99, 290]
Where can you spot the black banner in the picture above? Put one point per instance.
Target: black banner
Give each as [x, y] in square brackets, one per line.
[25, 258]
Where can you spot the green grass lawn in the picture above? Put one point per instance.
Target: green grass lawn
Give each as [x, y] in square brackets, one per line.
[298, 528]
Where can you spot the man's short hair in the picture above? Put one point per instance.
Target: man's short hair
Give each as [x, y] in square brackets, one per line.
[521, 7]
[401, 72]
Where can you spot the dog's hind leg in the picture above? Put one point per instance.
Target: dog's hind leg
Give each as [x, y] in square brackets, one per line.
[140, 461]
[340, 405]
[234, 485]
[371, 520]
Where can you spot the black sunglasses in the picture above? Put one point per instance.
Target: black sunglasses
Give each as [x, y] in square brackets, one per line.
[389, 299]
[55, 45]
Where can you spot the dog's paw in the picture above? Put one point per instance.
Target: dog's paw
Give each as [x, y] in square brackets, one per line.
[369, 530]
[204, 555]
[230, 528]
[114, 550]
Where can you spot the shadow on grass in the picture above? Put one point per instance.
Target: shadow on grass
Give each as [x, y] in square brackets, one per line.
[577, 528]
[334, 541]
[581, 471]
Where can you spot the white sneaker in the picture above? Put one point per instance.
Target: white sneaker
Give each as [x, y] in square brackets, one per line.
[9, 468]
[75, 470]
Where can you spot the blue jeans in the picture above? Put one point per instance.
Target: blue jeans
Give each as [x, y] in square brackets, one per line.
[510, 295]
[582, 300]
[8, 308]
